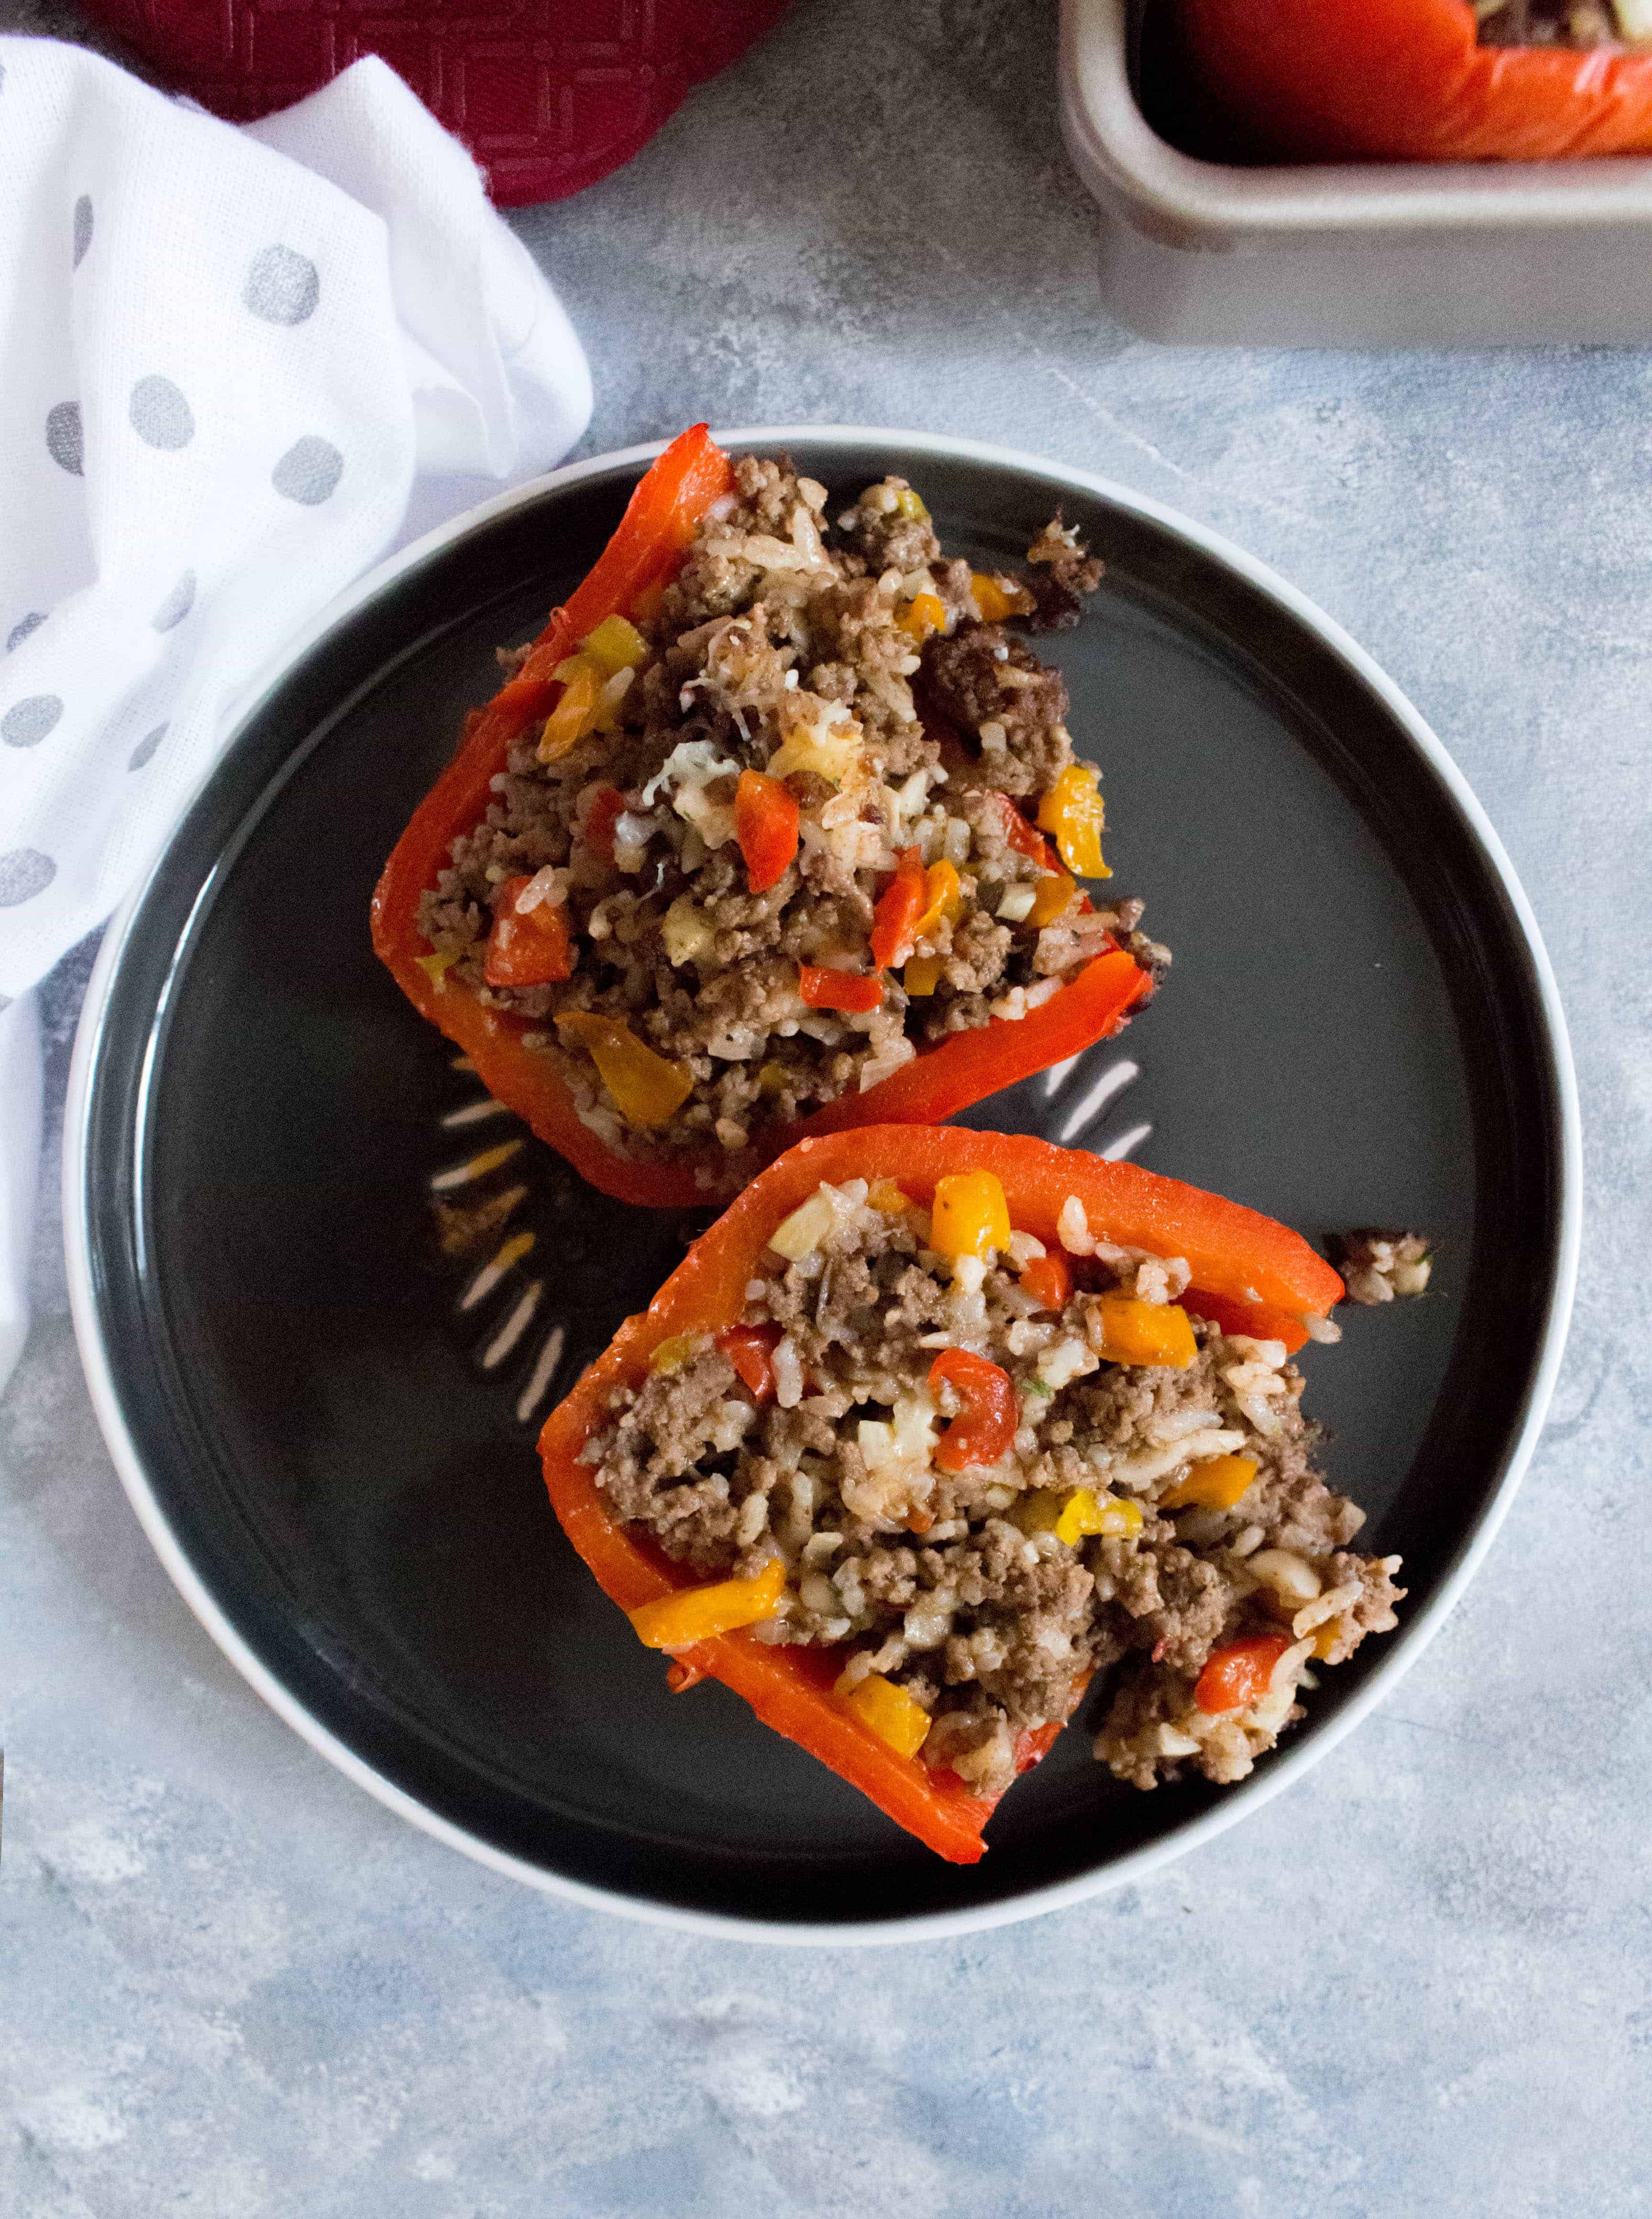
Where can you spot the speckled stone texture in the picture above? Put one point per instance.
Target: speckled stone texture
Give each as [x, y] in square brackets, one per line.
[231, 1985]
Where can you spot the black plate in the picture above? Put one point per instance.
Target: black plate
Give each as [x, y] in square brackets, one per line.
[1355, 1032]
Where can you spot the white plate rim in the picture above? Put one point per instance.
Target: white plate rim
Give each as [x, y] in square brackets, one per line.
[1137, 1864]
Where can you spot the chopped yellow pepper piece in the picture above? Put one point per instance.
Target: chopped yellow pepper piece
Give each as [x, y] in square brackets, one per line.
[1215, 1484]
[436, 968]
[1052, 898]
[615, 645]
[885, 1194]
[910, 504]
[943, 899]
[1087, 1512]
[678, 1621]
[1146, 1333]
[1072, 814]
[970, 1216]
[672, 1353]
[1074, 1516]
[990, 599]
[576, 713]
[922, 974]
[1326, 1639]
[923, 613]
[647, 1090]
[893, 1715]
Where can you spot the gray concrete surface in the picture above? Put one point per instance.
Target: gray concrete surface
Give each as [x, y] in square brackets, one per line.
[231, 1985]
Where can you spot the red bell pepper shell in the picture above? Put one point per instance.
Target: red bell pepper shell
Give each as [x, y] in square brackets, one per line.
[1407, 80]
[1261, 1320]
[967, 1067]
[1228, 1248]
[656, 528]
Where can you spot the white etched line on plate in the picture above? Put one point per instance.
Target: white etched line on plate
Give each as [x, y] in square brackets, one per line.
[513, 1327]
[1127, 1143]
[474, 1112]
[1115, 1076]
[493, 1272]
[1057, 1074]
[476, 1167]
[549, 1356]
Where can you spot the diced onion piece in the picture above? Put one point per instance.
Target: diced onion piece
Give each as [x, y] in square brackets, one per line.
[1289, 1578]
[802, 1232]
[687, 931]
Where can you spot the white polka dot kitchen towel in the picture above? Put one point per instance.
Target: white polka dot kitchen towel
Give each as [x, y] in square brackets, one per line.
[239, 367]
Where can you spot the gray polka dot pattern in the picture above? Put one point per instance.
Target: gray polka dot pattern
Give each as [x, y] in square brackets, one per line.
[26, 724]
[146, 747]
[63, 437]
[281, 287]
[83, 227]
[24, 873]
[20, 632]
[160, 416]
[308, 471]
[177, 604]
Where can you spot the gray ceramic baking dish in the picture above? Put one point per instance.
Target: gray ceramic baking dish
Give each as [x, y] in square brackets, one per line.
[1350, 254]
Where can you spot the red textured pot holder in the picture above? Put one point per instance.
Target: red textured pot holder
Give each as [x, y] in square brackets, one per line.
[548, 95]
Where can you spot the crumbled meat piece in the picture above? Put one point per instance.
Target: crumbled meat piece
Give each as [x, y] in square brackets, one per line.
[978, 677]
[1061, 576]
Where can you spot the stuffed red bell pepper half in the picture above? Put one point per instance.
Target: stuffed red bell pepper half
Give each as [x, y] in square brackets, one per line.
[778, 828]
[933, 1425]
[1428, 80]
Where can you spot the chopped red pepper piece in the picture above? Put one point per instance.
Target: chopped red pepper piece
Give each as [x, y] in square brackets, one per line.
[823, 988]
[749, 1348]
[1048, 1280]
[984, 1428]
[602, 810]
[658, 524]
[1408, 79]
[527, 947]
[766, 824]
[900, 906]
[1025, 838]
[1237, 1676]
[1228, 1249]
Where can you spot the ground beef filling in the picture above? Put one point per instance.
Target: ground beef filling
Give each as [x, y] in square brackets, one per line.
[956, 1585]
[848, 659]
[1576, 23]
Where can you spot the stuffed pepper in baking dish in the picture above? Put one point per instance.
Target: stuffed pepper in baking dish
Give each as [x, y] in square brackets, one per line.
[933, 1425]
[777, 829]
[1428, 80]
